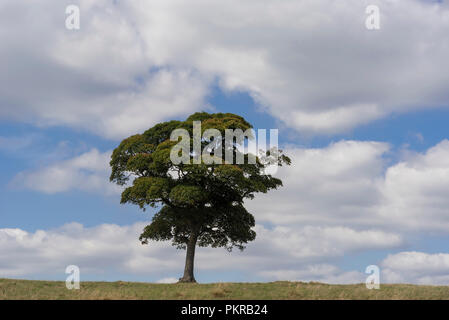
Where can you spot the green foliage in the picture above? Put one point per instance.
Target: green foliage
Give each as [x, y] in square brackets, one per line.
[204, 200]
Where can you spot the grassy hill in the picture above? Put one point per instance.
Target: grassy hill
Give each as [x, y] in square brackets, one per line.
[29, 289]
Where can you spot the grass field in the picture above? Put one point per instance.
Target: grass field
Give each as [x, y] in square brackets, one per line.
[29, 289]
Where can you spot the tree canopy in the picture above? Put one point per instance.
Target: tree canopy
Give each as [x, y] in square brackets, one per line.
[199, 203]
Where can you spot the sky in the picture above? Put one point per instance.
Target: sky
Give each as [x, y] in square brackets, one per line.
[362, 114]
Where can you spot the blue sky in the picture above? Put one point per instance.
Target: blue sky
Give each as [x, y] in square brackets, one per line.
[364, 120]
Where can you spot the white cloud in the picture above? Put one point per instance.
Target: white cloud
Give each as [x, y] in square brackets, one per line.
[350, 182]
[416, 267]
[415, 190]
[98, 78]
[87, 172]
[312, 63]
[95, 250]
[109, 248]
[167, 280]
[318, 243]
[336, 184]
[324, 273]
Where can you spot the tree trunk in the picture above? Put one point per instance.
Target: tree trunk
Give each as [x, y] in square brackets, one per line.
[190, 256]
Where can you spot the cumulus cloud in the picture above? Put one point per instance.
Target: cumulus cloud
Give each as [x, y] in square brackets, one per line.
[416, 267]
[415, 191]
[324, 273]
[352, 181]
[87, 172]
[95, 250]
[112, 248]
[98, 78]
[317, 243]
[311, 64]
[335, 184]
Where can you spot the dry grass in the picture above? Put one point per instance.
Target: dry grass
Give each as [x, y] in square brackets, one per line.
[120, 290]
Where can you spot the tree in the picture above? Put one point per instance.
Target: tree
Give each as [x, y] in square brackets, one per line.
[199, 203]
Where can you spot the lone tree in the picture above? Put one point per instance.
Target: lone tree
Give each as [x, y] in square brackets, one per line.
[201, 203]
